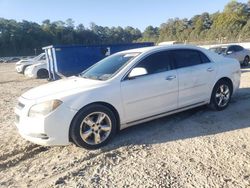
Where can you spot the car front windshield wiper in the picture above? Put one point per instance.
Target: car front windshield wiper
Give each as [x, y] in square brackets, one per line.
[92, 77]
[104, 77]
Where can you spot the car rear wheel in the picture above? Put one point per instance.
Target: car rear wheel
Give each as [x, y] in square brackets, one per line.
[93, 127]
[246, 61]
[221, 95]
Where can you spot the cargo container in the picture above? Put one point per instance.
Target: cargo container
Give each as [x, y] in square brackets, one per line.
[64, 61]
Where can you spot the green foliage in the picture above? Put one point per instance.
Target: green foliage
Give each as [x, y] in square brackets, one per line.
[22, 38]
[150, 34]
[230, 25]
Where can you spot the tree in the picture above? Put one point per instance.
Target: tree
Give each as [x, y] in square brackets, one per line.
[20, 38]
[150, 34]
[70, 23]
[245, 34]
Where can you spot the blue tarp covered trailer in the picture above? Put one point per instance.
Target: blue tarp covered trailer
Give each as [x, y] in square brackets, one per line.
[68, 60]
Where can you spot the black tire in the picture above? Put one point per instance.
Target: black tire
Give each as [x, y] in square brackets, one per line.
[77, 123]
[246, 61]
[215, 100]
[42, 73]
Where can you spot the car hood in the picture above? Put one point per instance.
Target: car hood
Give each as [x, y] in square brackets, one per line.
[72, 84]
[23, 62]
[41, 64]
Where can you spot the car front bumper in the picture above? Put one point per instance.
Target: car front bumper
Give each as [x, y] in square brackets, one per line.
[29, 72]
[19, 68]
[52, 129]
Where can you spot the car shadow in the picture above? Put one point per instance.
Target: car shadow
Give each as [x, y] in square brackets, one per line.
[192, 123]
[245, 69]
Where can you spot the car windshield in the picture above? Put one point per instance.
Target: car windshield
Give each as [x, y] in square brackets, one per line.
[108, 67]
[37, 58]
[219, 50]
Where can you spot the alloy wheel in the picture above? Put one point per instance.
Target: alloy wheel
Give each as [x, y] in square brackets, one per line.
[95, 128]
[246, 61]
[222, 95]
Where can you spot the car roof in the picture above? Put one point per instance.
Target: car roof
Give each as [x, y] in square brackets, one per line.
[164, 47]
[221, 46]
[225, 46]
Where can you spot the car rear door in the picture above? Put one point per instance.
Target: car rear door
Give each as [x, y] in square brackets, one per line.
[240, 53]
[153, 93]
[196, 74]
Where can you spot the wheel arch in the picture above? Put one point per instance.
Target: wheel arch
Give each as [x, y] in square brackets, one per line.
[24, 67]
[227, 79]
[246, 56]
[42, 69]
[111, 107]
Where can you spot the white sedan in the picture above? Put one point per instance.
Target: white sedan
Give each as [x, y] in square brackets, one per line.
[125, 89]
[38, 70]
[234, 51]
[24, 63]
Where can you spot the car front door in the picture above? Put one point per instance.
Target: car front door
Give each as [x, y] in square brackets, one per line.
[196, 73]
[154, 92]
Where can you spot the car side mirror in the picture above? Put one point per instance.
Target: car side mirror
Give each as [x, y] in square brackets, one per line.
[229, 52]
[138, 71]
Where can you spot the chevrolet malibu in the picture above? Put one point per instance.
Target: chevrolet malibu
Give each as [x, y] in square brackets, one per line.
[125, 89]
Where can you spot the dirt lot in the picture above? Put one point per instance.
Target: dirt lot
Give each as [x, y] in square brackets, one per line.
[196, 148]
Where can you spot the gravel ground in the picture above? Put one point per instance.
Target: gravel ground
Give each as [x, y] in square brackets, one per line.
[195, 148]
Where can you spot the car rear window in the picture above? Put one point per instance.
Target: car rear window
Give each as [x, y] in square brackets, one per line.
[204, 58]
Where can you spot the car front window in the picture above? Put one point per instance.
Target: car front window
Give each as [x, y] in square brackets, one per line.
[156, 63]
[37, 58]
[108, 67]
[42, 58]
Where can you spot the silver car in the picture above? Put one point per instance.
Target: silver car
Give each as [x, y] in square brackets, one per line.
[234, 51]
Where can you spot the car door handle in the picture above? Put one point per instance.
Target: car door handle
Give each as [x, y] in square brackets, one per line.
[210, 69]
[169, 78]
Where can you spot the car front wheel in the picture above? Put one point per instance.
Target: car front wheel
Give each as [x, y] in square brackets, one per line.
[42, 73]
[246, 61]
[221, 95]
[93, 127]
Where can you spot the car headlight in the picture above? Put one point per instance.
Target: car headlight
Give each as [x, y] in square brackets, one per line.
[43, 108]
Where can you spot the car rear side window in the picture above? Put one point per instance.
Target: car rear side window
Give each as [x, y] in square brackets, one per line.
[187, 58]
[204, 58]
[231, 49]
[156, 63]
[238, 48]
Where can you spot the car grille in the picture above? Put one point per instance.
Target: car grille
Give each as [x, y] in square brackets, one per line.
[20, 106]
